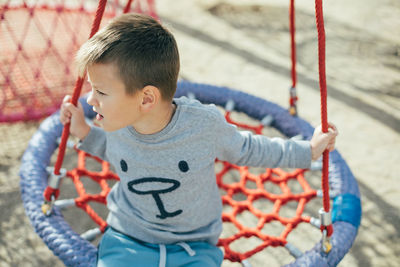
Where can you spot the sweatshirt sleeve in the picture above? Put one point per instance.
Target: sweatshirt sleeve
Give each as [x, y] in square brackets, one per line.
[95, 143]
[244, 148]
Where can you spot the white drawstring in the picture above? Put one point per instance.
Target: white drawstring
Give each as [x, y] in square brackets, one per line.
[163, 252]
[163, 256]
[188, 249]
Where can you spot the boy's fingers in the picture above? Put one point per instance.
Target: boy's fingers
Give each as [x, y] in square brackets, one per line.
[66, 110]
[66, 99]
[72, 109]
[333, 127]
[64, 119]
[332, 145]
[65, 115]
[332, 134]
[330, 124]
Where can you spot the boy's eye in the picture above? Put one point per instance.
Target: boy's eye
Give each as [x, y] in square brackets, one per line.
[100, 92]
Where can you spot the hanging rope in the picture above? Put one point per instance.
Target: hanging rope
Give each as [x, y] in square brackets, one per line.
[128, 6]
[293, 42]
[52, 192]
[324, 121]
[78, 88]
[293, 94]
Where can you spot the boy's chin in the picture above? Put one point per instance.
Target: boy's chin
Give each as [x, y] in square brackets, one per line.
[108, 128]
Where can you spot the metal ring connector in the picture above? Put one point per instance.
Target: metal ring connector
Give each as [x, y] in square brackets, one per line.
[47, 206]
[326, 242]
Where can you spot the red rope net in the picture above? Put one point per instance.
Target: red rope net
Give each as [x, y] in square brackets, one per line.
[102, 178]
[38, 41]
[276, 176]
[229, 189]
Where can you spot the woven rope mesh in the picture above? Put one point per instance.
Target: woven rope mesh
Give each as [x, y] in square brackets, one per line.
[38, 42]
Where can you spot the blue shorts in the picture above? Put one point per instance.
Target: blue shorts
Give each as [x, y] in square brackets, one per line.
[117, 249]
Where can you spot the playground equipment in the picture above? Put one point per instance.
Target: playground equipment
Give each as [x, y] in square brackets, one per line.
[339, 230]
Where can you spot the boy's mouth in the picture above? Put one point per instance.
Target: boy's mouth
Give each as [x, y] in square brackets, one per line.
[99, 117]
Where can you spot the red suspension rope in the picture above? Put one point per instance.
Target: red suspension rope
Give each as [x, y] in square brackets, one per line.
[293, 94]
[50, 191]
[77, 90]
[324, 114]
[76, 93]
[79, 83]
[293, 42]
[128, 6]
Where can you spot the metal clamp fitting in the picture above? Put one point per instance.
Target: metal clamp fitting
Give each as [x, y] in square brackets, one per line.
[191, 95]
[325, 217]
[54, 179]
[53, 182]
[267, 120]
[230, 105]
[293, 92]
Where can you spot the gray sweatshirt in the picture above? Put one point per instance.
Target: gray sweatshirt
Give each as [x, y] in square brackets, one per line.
[168, 192]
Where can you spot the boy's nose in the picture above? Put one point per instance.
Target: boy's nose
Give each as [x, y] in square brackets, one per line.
[90, 100]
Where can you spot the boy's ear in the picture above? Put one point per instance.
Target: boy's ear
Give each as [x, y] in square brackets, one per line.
[150, 96]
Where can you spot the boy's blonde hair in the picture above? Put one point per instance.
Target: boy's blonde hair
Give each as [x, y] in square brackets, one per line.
[144, 52]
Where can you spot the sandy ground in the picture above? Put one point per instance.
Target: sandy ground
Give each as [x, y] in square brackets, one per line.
[245, 45]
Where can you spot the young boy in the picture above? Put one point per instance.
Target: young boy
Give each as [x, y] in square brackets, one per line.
[166, 210]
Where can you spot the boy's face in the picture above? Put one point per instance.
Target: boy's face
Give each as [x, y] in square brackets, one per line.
[114, 107]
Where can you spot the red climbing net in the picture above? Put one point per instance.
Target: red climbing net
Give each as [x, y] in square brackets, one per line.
[276, 176]
[102, 178]
[229, 189]
[38, 41]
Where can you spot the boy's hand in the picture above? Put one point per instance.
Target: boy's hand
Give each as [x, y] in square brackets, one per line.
[322, 141]
[75, 115]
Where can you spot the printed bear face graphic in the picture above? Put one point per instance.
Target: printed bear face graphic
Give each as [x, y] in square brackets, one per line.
[158, 186]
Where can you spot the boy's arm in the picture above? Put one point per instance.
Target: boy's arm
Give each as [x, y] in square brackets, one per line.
[245, 148]
[248, 149]
[95, 143]
[92, 139]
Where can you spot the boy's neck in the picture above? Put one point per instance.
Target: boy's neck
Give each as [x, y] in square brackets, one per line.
[157, 119]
